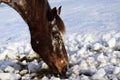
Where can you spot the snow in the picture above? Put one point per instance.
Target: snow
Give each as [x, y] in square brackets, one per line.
[33, 66]
[9, 76]
[92, 41]
[99, 74]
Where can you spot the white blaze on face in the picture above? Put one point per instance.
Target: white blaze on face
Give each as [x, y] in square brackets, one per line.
[56, 40]
[54, 46]
[53, 22]
[55, 28]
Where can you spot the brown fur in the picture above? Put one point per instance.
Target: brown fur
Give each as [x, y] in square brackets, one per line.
[42, 20]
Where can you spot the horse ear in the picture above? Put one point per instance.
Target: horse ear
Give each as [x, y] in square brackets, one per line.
[59, 10]
[52, 13]
[54, 10]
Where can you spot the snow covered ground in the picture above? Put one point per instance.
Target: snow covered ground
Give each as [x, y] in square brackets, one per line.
[92, 42]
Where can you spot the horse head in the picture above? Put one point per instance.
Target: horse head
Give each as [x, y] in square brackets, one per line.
[56, 29]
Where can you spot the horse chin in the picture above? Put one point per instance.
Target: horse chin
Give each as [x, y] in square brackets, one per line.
[60, 66]
[60, 71]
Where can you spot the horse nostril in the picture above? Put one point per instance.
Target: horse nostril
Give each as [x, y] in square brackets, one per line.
[65, 68]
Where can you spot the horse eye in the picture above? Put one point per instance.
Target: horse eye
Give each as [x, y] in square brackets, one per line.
[56, 35]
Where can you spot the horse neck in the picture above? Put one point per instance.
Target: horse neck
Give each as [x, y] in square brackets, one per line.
[34, 12]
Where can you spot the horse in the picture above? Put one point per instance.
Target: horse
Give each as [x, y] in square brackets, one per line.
[46, 30]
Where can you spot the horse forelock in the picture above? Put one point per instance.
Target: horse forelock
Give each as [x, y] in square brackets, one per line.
[60, 24]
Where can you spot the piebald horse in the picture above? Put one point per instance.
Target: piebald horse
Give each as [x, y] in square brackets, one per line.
[46, 30]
